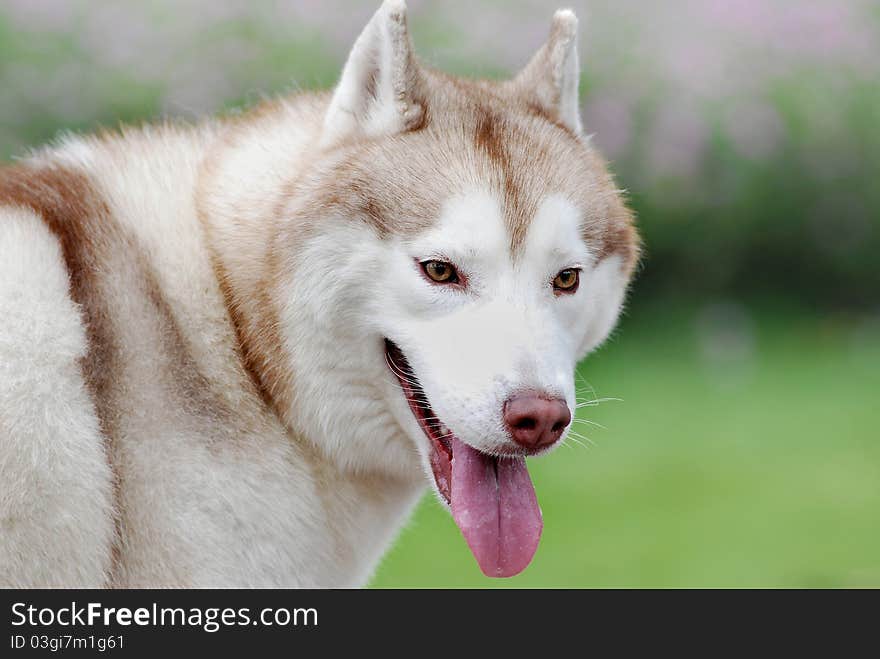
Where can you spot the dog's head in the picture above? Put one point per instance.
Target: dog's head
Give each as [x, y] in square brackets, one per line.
[460, 246]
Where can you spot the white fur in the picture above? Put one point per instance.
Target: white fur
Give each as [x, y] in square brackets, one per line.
[374, 95]
[360, 434]
[55, 484]
[567, 72]
[506, 333]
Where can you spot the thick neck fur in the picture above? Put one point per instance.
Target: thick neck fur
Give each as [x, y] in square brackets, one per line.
[240, 193]
[244, 198]
[242, 190]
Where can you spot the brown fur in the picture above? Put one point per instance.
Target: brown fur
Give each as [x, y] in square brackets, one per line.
[74, 212]
[252, 314]
[474, 132]
[256, 339]
[492, 138]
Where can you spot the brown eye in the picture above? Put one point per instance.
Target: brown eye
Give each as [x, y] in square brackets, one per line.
[440, 272]
[567, 281]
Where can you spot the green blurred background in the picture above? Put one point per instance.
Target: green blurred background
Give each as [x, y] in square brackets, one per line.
[740, 445]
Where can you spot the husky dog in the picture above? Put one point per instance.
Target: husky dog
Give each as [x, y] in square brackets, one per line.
[234, 354]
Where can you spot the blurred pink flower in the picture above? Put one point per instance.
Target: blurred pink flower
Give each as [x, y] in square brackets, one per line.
[787, 33]
[746, 17]
[755, 129]
[121, 36]
[678, 140]
[674, 59]
[40, 15]
[610, 118]
[696, 64]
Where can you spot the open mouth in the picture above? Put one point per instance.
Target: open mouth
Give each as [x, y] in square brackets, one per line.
[491, 498]
[437, 433]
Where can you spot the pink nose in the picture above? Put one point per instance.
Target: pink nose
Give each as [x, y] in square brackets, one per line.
[535, 421]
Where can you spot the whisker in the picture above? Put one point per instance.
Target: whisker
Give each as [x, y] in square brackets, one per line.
[596, 401]
[399, 372]
[576, 441]
[576, 436]
[587, 421]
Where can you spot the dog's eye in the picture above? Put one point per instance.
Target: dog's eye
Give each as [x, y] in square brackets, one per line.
[440, 272]
[566, 281]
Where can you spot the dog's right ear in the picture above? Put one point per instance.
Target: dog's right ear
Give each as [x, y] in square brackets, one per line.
[380, 91]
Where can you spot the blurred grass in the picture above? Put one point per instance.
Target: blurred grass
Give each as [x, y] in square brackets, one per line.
[764, 473]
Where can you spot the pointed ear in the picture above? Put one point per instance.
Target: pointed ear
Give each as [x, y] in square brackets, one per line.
[550, 80]
[380, 91]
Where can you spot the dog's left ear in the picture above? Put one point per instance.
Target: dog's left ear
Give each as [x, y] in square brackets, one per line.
[550, 80]
[380, 91]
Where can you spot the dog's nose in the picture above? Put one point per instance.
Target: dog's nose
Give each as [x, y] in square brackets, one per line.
[535, 420]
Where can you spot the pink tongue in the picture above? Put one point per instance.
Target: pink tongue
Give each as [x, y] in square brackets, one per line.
[493, 503]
